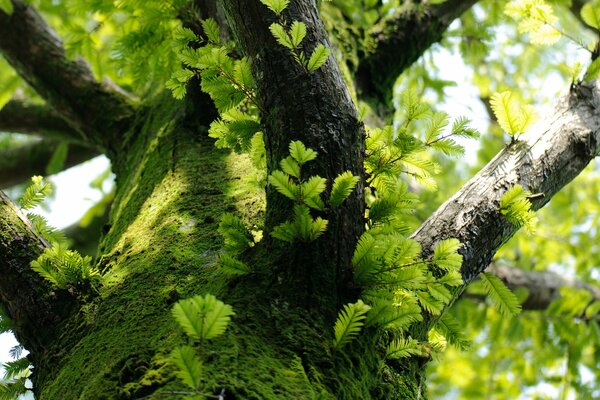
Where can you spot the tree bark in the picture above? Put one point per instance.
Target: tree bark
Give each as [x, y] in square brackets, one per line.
[18, 116]
[35, 310]
[315, 108]
[100, 111]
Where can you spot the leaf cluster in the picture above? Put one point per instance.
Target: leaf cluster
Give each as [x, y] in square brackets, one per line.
[201, 318]
[292, 36]
[306, 194]
[516, 207]
[67, 269]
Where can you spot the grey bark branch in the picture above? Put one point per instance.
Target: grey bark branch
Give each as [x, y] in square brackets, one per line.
[400, 39]
[18, 164]
[35, 310]
[543, 286]
[99, 110]
[33, 119]
[544, 161]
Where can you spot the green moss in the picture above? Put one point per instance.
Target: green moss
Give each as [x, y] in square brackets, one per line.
[161, 247]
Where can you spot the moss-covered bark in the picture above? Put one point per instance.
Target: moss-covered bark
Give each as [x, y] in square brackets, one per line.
[161, 246]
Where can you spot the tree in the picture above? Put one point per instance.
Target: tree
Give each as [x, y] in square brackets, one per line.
[301, 257]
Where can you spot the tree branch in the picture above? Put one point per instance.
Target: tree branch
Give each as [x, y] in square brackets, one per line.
[34, 308]
[33, 119]
[544, 161]
[400, 39]
[100, 110]
[315, 108]
[18, 164]
[543, 286]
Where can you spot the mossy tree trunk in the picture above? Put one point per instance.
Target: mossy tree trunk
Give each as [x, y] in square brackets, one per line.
[161, 243]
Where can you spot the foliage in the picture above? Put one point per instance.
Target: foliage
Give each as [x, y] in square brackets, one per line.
[201, 318]
[306, 194]
[67, 269]
[516, 207]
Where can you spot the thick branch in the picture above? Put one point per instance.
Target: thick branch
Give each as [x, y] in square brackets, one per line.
[35, 310]
[316, 108]
[97, 109]
[18, 164]
[543, 286]
[544, 161]
[33, 119]
[399, 40]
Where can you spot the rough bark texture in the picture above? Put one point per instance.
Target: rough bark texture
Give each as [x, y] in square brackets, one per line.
[100, 111]
[315, 108]
[34, 309]
[543, 286]
[542, 161]
[399, 40]
[19, 164]
[33, 119]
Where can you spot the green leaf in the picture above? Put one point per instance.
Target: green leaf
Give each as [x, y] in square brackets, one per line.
[297, 33]
[435, 126]
[593, 71]
[282, 183]
[243, 74]
[446, 255]
[6, 6]
[318, 57]
[349, 323]
[403, 348]
[396, 316]
[236, 235]
[211, 30]
[277, 6]
[502, 298]
[343, 185]
[450, 328]
[202, 317]
[430, 303]
[36, 193]
[590, 13]
[313, 187]
[513, 117]
[232, 266]
[189, 366]
[301, 153]
[281, 35]
[515, 205]
[290, 167]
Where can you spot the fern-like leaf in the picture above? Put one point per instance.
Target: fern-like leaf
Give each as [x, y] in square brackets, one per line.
[232, 266]
[189, 366]
[282, 183]
[277, 6]
[36, 193]
[202, 317]
[446, 255]
[211, 30]
[402, 348]
[318, 57]
[502, 297]
[301, 153]
[236, 235]
[297, 33]
[343, 185]
[281, 35]
[450, 328]
[349, 323]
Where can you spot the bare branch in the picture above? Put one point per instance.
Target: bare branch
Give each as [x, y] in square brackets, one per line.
[34, 308]
[399, 40]
[543, 161]
[18, 164]
[100, 110]
[543, 286]
[33, 119]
